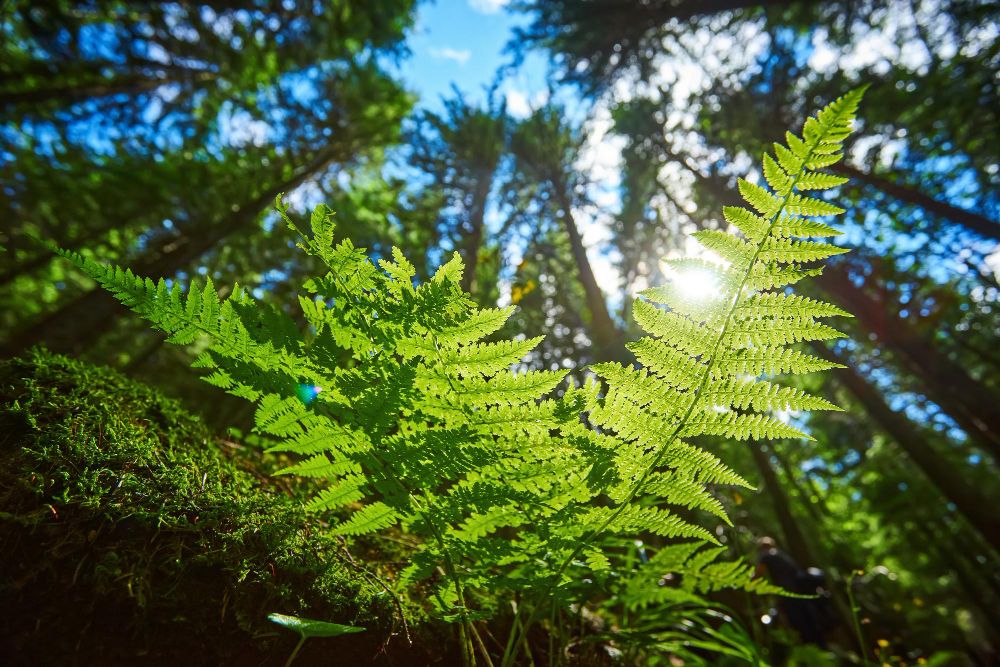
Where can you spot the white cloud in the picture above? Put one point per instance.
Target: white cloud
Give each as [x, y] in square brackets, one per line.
[488, 6]
[518, 104]
[446, 53]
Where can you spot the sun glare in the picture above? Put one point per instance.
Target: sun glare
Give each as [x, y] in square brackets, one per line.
[696, 285]
[693, 284]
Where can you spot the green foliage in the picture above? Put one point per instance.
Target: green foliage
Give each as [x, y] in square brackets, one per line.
[415, 417]
[422, 421]
[310, 628]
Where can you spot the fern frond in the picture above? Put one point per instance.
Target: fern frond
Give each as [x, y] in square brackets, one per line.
[702, 364]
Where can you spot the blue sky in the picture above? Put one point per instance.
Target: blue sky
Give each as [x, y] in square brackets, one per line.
[462, 42]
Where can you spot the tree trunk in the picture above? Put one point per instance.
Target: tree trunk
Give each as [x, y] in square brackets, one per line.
[970, 502]
[796, 542]
[474, 240]
[44, 256]
[969, 401]
[789, 471]
[979, 224]
[77, 324]
[608, 338]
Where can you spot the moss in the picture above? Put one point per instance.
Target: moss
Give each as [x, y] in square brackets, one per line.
[127, 530]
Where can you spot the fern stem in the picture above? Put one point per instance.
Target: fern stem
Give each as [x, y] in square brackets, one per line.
[482, 646]
[458, 586]
[295, 651]
[854, 616]
[706, 374]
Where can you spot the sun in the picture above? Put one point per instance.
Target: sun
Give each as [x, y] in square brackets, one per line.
[693, 284]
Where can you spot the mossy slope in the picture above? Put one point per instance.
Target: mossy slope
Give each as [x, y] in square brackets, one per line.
[129, 535]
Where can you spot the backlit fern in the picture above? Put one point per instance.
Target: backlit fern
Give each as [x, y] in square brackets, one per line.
[393, 396]
[701, 364]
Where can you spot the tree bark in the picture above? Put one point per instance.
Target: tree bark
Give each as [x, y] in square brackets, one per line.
[474, 240]
[972, 503]
[608, 338]
[973, 221]
[77, 324]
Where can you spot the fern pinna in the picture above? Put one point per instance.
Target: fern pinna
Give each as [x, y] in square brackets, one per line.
[428, 426]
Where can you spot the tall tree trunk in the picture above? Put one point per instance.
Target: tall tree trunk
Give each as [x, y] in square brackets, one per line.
[796, 542]
[474, 239]
[972, 503]
[608, 338]
[76, 325]
[973, 221]
[969, 401]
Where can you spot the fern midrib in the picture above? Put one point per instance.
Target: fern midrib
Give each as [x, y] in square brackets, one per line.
[637, 487]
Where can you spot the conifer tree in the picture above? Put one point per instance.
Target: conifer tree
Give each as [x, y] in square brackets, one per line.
[460, 151]
[545, 151]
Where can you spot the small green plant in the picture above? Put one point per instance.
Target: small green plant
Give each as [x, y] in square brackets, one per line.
[416, 419]
[308, 628]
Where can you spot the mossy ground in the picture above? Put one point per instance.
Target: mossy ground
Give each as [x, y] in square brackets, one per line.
[130, 534]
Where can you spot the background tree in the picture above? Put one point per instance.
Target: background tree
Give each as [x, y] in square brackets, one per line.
[459, 153]
[546, 179]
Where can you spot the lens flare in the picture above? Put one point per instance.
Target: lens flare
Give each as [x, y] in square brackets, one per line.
[693, 283]
[308, 392]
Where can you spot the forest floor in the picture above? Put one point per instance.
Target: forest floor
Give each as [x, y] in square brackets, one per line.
[129, 532]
